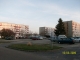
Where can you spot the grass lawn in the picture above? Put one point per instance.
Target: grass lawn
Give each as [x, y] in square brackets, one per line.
[25, 47]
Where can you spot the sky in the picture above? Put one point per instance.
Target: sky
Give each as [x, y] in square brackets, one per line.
[39, 13]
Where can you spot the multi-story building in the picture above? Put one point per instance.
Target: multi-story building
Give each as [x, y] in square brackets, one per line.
[46, 31]
[72, 28]
[19, 29]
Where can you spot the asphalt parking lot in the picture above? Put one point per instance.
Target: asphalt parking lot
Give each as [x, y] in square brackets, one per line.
[10, 54]
[45, 41]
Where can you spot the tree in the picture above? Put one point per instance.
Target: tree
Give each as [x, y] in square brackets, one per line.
[35, 34]
[60, 29]
[6, 33]
[29, 33]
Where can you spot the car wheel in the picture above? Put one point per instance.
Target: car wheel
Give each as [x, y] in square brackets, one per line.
[72, 43]
[79, 41]
[59, 42]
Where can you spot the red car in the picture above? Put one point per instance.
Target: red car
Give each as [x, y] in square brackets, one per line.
[35, 38]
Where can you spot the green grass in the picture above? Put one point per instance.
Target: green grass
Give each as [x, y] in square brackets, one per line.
[25, 47]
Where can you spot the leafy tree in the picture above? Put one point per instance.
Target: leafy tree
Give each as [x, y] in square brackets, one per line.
[6, 33]
[60, 30]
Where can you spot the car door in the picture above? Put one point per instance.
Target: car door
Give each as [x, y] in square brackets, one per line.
[64, 40]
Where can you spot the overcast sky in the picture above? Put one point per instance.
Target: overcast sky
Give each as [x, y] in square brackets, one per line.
[39, 13]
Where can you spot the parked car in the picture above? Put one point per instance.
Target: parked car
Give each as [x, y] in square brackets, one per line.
[76, 39]
[49, 38]
[62, 36]
[44, 37]
[40, 38]
[9, 38]
[37, 38]
[66, 40]
[53, 39]
[31, 37]
[34, 38]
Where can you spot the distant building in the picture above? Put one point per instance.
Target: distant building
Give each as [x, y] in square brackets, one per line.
[72, 29]
[19, 29]
[46, 31]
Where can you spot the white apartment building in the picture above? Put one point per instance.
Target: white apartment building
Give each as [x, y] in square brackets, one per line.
[46, 31]
[72, 28]
[19, 29]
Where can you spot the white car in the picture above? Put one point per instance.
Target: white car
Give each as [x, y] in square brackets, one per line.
[76, 39]
[62, 36]
[41, 38]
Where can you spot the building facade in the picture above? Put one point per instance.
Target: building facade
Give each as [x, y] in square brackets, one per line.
[46, 31]
[18, 29]
[72, 28]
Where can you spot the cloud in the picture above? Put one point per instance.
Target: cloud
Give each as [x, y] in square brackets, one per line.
[33, 24]
[27, 3]
[17, 3]
[35, 14]
[43, 8]
[55, 9]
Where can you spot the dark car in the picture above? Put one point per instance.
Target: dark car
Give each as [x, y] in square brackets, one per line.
[66, 40]
[34, 38]
[9, 38]
[37, 38]
[30, 37]
[53, 39]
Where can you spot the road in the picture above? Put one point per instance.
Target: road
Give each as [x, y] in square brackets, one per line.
[10, 54]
